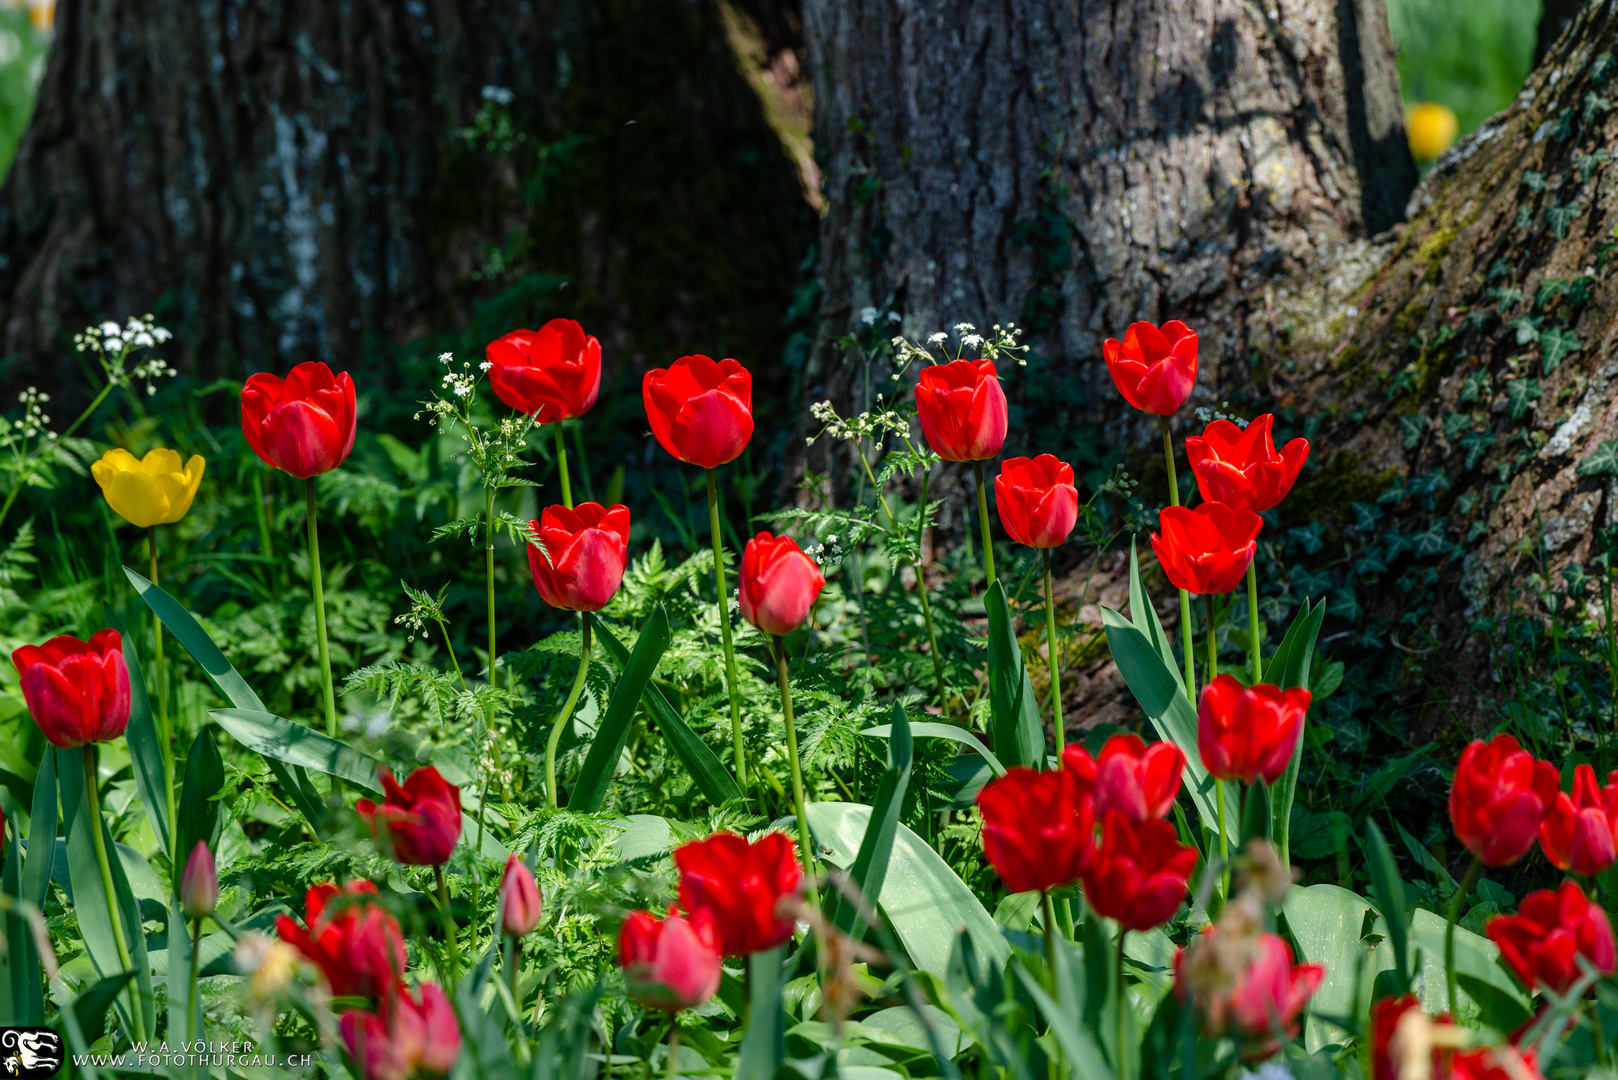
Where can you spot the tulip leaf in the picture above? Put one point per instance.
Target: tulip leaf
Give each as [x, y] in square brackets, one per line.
[276, 737]
[1256, 813]
[1083, 1056]
[1289, 667]
[763, 1048]
[1158, 689]
[145, 746]
[199, 806]
[1325, 921]
[1389, 890]
[1144, 615]
[876, 846]
[924, 900]
[90, 1007]
[707, 771]
[17, 955]
[29, 880]
[1019, 735]
[608, 745]
[930, 729]
[90, 897]
[1476, 958]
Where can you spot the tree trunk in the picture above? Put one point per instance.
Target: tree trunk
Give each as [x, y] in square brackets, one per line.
[1073, 167]
[286, 180]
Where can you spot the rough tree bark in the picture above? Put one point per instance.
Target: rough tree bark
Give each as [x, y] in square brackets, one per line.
[1075, 166]
[284, 180]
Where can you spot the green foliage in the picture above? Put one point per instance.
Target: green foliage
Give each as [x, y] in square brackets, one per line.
[1471, 55]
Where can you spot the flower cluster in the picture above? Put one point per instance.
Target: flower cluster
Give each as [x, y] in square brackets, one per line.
[112, 344]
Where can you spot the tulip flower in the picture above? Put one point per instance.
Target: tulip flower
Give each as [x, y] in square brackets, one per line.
[411, 1035]
[1137, 780]
[1542, 943]
[579, 560]
[1249, 733]
[1038, 828]
[1153, 369]
[303, 425]
[356, 944]
[962, 409]
[1498, 799]
[419, 822]
[154, 490]
[76, 691]
[552, 374]
[671, 963]
[1206, 550]
[702, 413]
[742, 886]
[1495, 1063]
[779, 584]
[1036, 499]
[1263, 1002]
[520, 905]
[199, 884]
[1580, 832]
[1140, 872]
[1240, 468]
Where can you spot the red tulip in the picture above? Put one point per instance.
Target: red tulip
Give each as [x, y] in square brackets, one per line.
[779, 584]
[1580, 832]
[199, 884]
[670, 963]
[1240, 468]
[1206, 550]
[304, 425]
[519, 899]
[357, 944]
[1137, 780]
[1498, 798]
[1140, 873]
[1038, 828]
[962, 409]
[421, 817]
[1248, 733]
[1431, 1038]
[410, 1036]
[1551, 930]
[584, 555]
[741, 885]
[552, 373]
[1494, 1063]
[701, 411]
[1268, 993]
[1154, 369]
[1037, 501]
[76, 691]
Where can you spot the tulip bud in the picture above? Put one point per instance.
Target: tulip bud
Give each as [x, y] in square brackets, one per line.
[519, 899]
[199, 885]
[779, 584]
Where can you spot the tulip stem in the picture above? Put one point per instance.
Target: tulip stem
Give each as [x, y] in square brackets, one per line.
[452, 933]
[191, 1013]
[983, 520]
[1050, 645]
[724, 633]
[92, 790]
[806, 847]
[561, 465]
[1185, 597]
[1252, 621]
[566, 714]
[1050, 942]
[921, 577]
[1224, 842]
[164, 736]
[1118, 1004]
[320, 619]
[674, 1050]
[1473, 873]
[1213, 639]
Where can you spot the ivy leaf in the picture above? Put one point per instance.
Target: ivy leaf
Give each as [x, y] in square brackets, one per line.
[1557, 342]
[1366, 515]
[1506, 298]
[1432, 541]
[1519, 392]
[1413, 425]
[1586, 163]
[1533, 181]
[1603, 459]
[1527, 329]
[1525, 216]
[1549, 289]
[1601, 67]
[1475, 445]
[1560, 218]
[1594, 105]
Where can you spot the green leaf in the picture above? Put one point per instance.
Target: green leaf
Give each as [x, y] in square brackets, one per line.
[923, 898]
[146, 757]
[1288, 668]
[929, 729]
[29, 880]
[199, 807]
[18, 958]
[1560, 217]
[90, 897]
[1519, 392]
[1476, 957]
[278, 738]
[1389, 890]
[1256, 820]
[707, 771]
[876, 846]
[90, 1008]
[1144, 615]
[1325, 921]
[1557, 342]
[1603, 459]
[763, 1047]
[1019, 736]
[608, 745]
[1160, 693]
[1084, 1058]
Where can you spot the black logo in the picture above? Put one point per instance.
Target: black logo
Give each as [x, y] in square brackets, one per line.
[29, 1053]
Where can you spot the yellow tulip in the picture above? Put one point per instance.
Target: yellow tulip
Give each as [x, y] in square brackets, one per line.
[153, 490]
[1432, 129]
